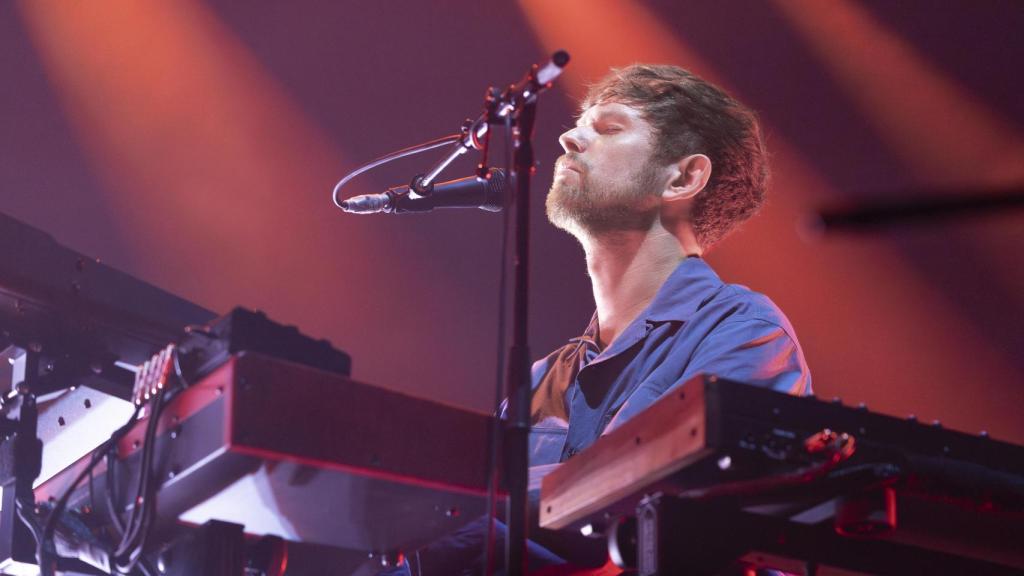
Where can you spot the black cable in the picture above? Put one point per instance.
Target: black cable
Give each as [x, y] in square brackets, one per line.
[92, 492]
[132, 535]
[131, 526]
[127, 553]
[111, 485]
[58, 510]
[30, 520]
[499, 388]
[135, 532]
[144, 528]
[46, 569]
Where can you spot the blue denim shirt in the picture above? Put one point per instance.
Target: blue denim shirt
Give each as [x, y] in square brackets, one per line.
[695, 324]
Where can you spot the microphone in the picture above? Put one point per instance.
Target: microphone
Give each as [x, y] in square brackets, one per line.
[472, 192]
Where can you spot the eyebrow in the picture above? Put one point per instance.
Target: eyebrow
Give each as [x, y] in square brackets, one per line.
[604, 115]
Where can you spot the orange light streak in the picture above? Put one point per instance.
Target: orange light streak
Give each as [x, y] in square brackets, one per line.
[222, 185]
[600, 34]
[206, 160]
[936, 126]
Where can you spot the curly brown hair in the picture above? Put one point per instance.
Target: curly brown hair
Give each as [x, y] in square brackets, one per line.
[693, 116]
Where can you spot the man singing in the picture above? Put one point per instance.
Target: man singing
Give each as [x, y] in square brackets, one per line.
[659, 168]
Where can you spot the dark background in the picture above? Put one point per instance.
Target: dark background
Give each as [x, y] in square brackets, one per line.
[194, 145]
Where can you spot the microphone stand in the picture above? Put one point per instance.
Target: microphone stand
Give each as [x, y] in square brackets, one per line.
[497, 106]
[517, 426]
[515, 107]
[519, 103]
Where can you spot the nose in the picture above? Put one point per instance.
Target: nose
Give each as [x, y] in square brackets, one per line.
[572, 141]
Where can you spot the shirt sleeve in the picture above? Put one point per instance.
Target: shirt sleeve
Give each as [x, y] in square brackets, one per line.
[753, 351]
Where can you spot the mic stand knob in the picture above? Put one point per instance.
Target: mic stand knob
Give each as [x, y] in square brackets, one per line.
[417, 186]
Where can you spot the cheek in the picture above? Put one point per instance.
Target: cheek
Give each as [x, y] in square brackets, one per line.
[621, 159]
[617, 173]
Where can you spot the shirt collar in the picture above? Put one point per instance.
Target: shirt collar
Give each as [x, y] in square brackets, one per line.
[589, 335]
[689, 286]
[685, 290]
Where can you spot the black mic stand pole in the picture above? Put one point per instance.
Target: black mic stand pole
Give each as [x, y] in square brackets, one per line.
[517, 426]
[520, 101]
[523, 99]
[517, 106]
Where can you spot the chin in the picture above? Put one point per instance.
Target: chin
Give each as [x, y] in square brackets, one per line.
[562, 209]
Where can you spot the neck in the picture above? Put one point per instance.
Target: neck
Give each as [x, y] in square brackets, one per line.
[626, 270]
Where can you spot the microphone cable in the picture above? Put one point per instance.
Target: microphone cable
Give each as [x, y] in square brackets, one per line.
[391, 156]
[496, 418]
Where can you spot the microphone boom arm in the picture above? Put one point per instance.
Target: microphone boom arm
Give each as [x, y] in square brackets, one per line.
[496, 107]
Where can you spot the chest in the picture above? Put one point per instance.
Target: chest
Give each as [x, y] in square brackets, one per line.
[598, 386]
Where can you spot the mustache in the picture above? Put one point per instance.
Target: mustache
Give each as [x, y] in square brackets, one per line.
[571, 161]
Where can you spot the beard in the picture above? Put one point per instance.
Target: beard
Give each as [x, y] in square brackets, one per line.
[586, 207]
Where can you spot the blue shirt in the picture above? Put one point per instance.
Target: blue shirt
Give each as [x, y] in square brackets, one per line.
[695, 324]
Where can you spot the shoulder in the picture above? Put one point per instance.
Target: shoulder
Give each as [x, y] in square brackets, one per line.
[735, 306]
[746, 337]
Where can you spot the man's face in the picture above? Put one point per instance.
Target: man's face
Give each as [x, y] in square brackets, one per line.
[606, 180]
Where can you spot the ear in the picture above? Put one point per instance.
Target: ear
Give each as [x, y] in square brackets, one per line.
[689, 176]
